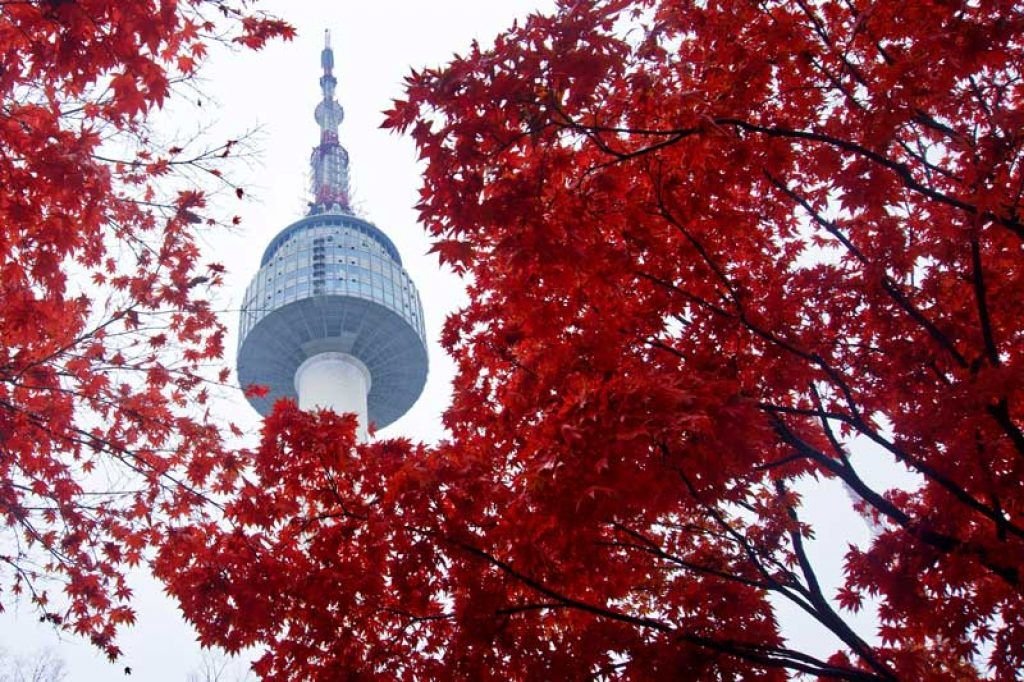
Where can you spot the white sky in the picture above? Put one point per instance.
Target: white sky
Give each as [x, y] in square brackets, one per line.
[375, 45]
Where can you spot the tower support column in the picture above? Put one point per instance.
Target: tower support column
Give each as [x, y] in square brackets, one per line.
[334, 381]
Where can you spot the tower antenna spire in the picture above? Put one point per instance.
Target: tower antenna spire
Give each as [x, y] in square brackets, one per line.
[329, 161]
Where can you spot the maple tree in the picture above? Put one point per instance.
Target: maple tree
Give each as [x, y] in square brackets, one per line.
[106, 326]
[710, 248]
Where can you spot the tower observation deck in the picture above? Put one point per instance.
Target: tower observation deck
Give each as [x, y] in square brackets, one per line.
[332, 318]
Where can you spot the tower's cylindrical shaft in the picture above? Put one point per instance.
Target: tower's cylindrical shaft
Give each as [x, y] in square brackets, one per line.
[335, 381]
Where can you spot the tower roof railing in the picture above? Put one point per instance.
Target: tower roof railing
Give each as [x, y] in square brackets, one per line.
[346, 219]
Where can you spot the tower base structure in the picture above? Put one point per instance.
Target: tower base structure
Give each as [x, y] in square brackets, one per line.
[338, 382]
[333, 283]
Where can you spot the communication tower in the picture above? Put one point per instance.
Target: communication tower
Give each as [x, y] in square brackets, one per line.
[332, 319]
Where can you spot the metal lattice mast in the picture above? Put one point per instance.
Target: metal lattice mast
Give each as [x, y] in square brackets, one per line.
[329, 161]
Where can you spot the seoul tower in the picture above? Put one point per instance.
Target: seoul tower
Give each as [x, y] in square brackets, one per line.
[332, 319]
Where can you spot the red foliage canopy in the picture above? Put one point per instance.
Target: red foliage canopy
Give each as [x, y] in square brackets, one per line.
[105, 322]
[710, 246]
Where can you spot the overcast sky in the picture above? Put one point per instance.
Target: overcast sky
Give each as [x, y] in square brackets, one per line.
[375, 44]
